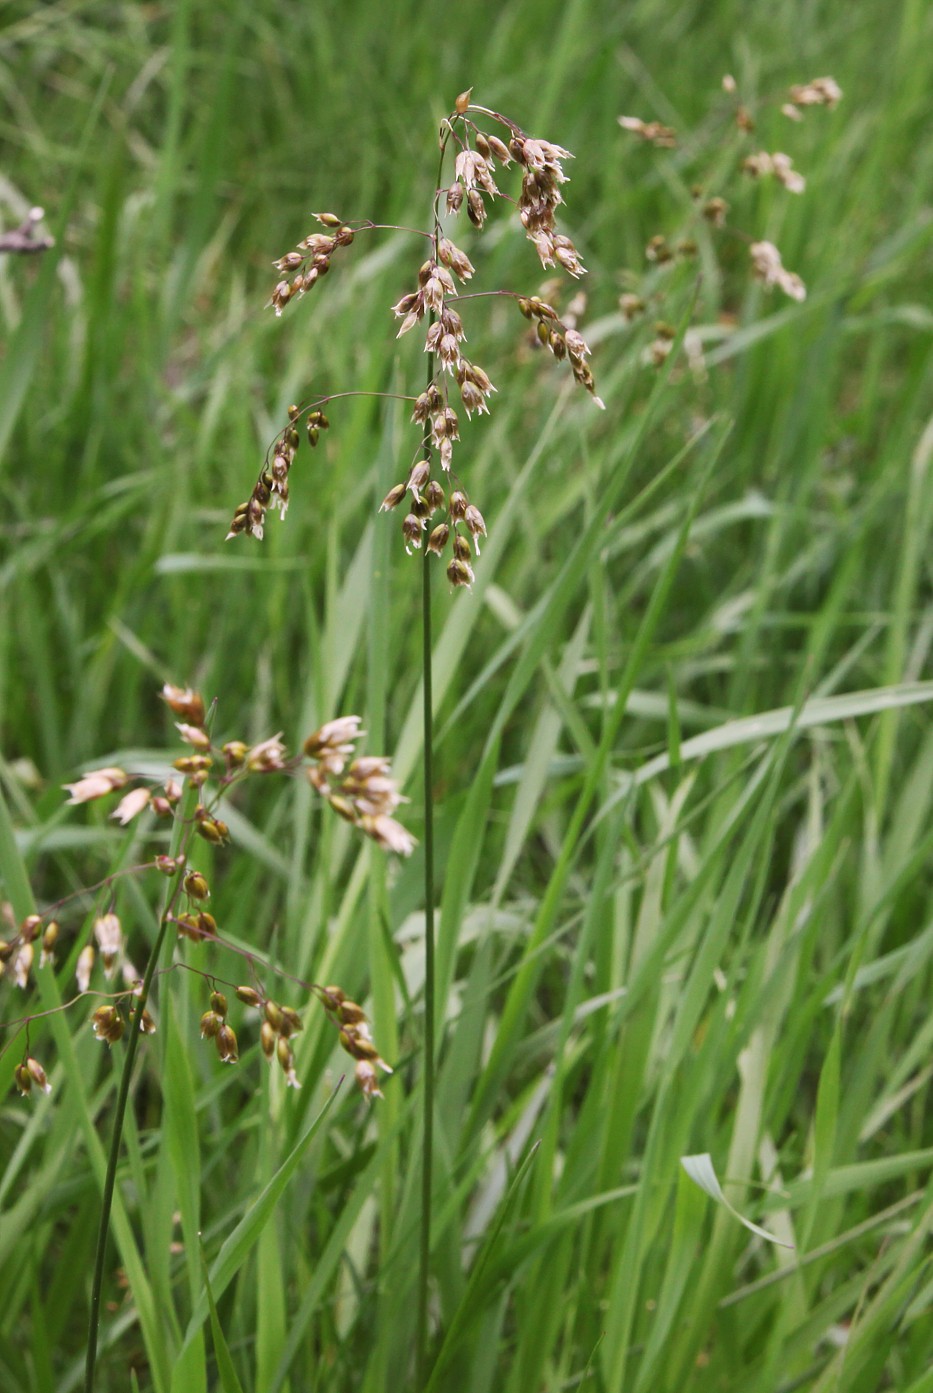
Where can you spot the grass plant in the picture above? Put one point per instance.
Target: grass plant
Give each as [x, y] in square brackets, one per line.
[682, 762]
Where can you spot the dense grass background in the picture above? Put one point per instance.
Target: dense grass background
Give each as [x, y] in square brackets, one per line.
[684, 765]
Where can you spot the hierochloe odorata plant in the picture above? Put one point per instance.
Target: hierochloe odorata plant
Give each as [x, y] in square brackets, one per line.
[191, 801]
[484, 147]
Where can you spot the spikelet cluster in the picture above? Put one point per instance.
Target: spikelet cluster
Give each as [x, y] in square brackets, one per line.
[360, 789]
[30, 1072]
[18, 949]
[356, 1038]
[303, 268]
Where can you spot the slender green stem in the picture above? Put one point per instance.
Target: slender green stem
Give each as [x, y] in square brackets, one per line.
[427, 1137]
[429, 1002]
[123, 1093]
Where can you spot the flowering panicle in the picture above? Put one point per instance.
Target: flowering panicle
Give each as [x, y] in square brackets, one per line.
[766, 263]
[456, 383]
[359, 788]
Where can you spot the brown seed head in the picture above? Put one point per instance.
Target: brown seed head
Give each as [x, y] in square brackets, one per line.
[439, 539]
[821, 91]
[291, 1022]
[185, 702]
[213, 831]
[499, 149]
[189, 926]
[452, 256]
[419, 476]
[411, 531]
[393, 498]
[715, 210]
[210, 1024]
[434, 496]
[29, 928]
[196, 886]
[225, 1040]
[192, 765]
[460, 573]
[658, 251]
[97, 784]
[475, 522]
[349, 1013]
[343, 807]
[108, 1024]
[38, 1074]
[367, 1079]
[650, 131]
[476, 208]
[267, 1039]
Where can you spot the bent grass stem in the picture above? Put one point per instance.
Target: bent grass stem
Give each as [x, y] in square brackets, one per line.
[172, 891]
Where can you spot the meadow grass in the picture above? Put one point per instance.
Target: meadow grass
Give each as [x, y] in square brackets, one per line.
[683, 766]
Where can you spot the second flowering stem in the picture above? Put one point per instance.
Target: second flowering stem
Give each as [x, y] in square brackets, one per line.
[172, 890]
